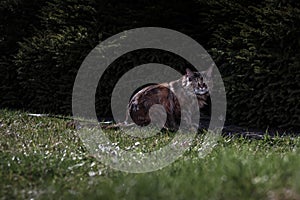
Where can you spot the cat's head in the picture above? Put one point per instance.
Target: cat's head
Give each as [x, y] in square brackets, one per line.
[197, 82]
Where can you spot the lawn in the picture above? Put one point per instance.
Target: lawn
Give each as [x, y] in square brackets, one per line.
[41, 158]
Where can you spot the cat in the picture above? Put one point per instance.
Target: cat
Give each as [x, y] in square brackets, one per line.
[189, 85]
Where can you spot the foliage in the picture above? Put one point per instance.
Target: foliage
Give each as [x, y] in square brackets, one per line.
[257, 50]
[254, 43]
[18, 19]
[46, 60]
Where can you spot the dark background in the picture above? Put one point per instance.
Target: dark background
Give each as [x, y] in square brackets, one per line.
[255, 44]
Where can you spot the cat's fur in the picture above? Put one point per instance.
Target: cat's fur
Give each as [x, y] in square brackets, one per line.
[190, 84]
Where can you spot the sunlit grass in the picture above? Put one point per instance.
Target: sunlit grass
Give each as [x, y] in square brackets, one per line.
[40, 158]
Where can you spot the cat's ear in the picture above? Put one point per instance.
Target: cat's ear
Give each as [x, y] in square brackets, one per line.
[208, 72]
[189, 73]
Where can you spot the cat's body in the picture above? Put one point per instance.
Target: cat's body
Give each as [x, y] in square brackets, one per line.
[169, 95]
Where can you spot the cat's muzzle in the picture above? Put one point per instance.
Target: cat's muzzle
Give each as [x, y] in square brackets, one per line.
[201, 91]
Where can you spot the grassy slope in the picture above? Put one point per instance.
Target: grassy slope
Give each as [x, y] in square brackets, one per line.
[40, 158]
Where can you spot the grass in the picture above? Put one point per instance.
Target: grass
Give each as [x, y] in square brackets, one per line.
[40, 158]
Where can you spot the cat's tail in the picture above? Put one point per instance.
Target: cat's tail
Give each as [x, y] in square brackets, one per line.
[116, 126]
